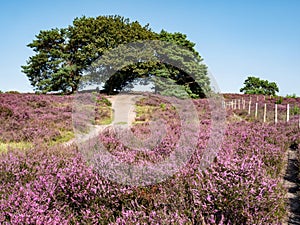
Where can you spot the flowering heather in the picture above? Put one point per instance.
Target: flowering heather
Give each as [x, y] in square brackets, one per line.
[28, 117]
[55, 185]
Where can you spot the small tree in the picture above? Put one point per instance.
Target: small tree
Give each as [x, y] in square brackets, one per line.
[254, 85]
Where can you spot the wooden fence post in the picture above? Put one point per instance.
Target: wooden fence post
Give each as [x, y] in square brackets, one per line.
[249, 109]
[276, 116]
[256, 109]
[265, 113]
[287, 112]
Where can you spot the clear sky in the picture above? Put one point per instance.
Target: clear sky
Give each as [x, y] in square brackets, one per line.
[236, 38]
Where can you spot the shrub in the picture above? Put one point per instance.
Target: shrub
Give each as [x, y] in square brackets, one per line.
[279, 100]
[291, 96]
[55, 185]
[28, 117]
[12, 92]
[5, 112]
[295, 110]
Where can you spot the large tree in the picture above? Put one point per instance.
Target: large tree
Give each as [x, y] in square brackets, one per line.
[61, 55]
[177, 67]
[255, 85]
[188, 72]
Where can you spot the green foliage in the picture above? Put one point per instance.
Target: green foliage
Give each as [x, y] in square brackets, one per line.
[178, 39]
[254, 85]
[4, 147]
[163, 106]
[188, 78]
[102, 101]
[12, 92]
[61, 55]
[279, 100]
[291, 96]
[295, 110]
[171, 64]
[64, 136]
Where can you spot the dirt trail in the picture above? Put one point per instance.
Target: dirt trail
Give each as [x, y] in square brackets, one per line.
[291, 182]
[123, 106]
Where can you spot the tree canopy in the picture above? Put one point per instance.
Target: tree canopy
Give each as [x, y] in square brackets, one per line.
[176, 68]
[62, 56]
[255, 85]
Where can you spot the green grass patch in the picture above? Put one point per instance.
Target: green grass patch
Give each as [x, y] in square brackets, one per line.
[295, 110]
[65, 136]
[104, 115]
[138, 122]
[144, 110]
[14, 145]
[122, 123]
[163, 106]
[142, 114]
[104, 121]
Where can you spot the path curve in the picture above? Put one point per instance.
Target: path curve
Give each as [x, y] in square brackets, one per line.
[123, 106]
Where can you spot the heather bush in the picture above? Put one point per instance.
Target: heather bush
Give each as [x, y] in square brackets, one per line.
[56, 185]
[53, 186]
[29, 117]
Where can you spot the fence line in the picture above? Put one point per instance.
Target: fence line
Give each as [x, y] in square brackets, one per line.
[240, 104]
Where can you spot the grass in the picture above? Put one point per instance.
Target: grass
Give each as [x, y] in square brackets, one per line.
[122, 123]
[105, 116]
[65, 136]
[4, 147]
[104, 121]
[143, 113]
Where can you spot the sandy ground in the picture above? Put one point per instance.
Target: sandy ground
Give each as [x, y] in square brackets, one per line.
[123, 115]
[124, 109]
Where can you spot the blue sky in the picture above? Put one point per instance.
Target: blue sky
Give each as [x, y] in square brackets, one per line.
[235, 38]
